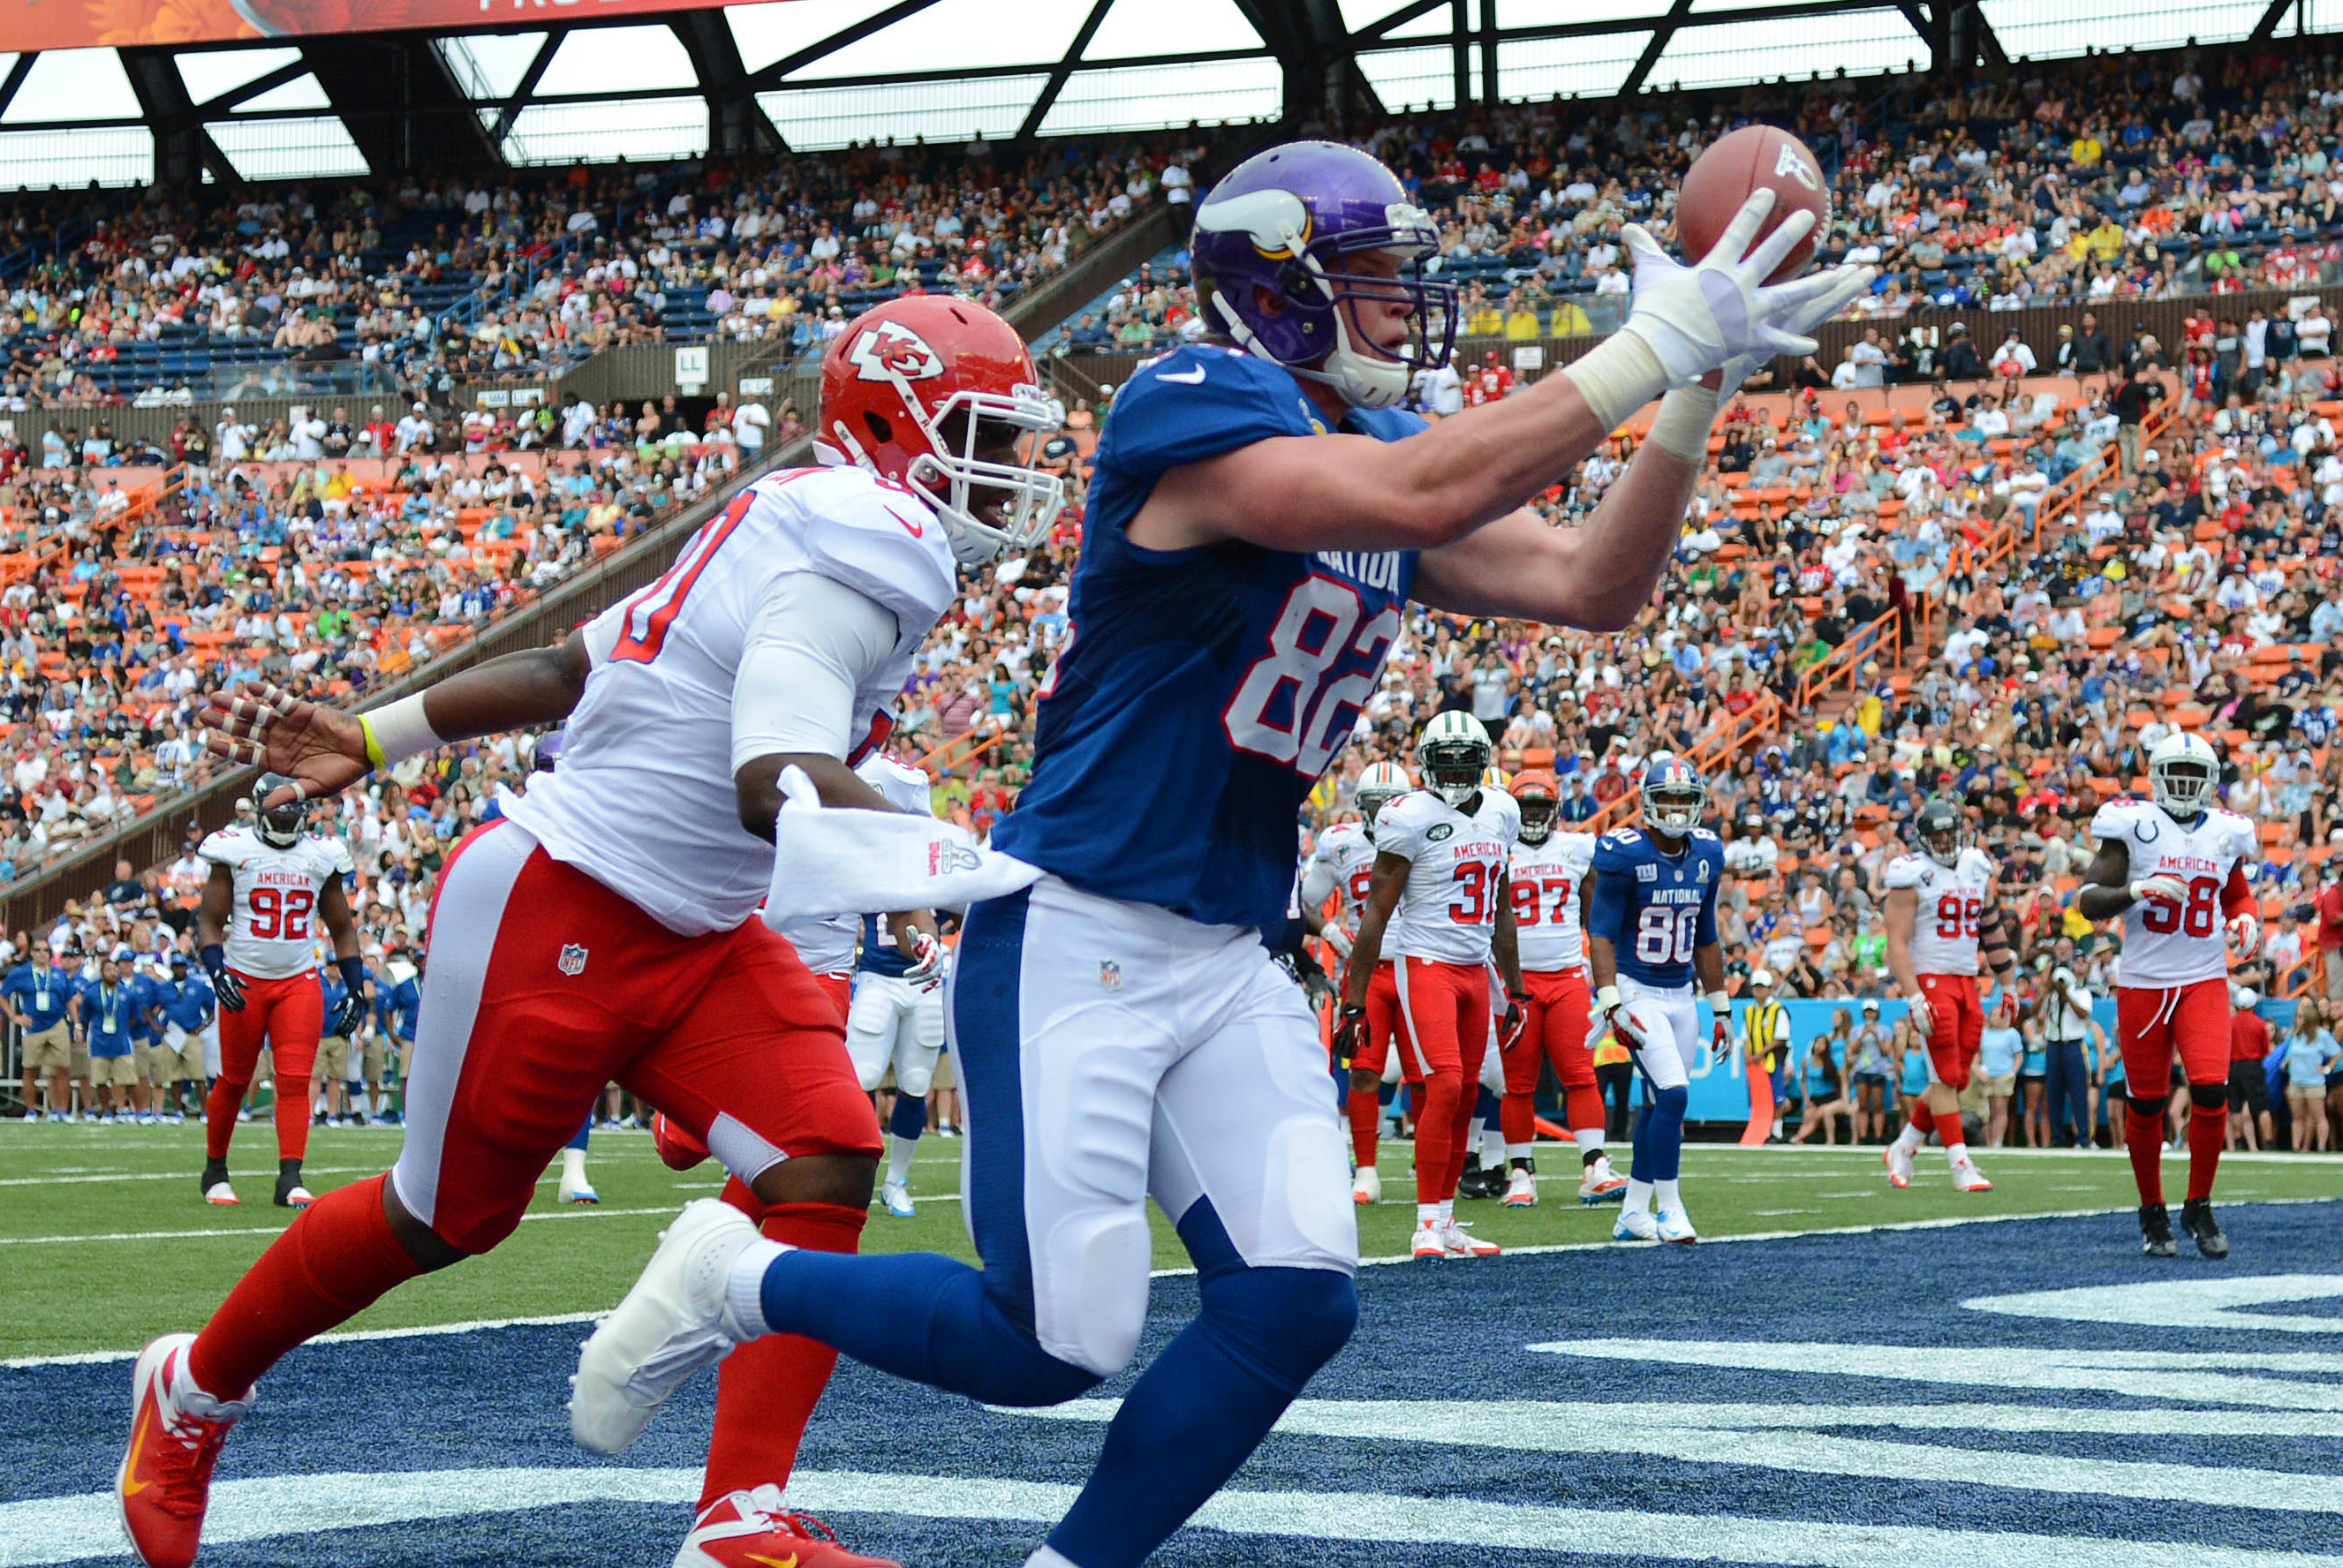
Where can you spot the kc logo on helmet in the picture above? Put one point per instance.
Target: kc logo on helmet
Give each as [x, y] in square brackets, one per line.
[1788, 161]
[890, 351]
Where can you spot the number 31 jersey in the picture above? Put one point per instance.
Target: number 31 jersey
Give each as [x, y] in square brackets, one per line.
[1456, 861]
[1201, 692]
[1951, 903]
[1546, 880]
[1655, 909]
[273, 926]
[2166, 944]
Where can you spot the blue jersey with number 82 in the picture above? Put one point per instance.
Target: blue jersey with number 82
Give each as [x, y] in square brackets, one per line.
[1656, 909]
[1202, 692]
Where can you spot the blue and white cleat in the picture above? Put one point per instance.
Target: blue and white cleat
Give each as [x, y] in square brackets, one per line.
[898, 1199]
[1675, 1225]
[581, 1193]
[1634, 1225]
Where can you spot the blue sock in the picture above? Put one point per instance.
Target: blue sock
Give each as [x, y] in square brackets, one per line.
[579, 1142]
[1488, 1108]
[918, 1315]
[1666, 1119]
[909, 1117]
[1211, 1397]
[1640, 1167]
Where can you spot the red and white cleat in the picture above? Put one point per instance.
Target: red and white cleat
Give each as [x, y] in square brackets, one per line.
[1899, 1165]
[176, 1432]
[678, 1149]
[1521, 1190]
[1600, 1184]
[222, 1195]
[1462, 1243]
[755, 1530]
[1366, 1186]
[1430, 1243]
[1967, 1178]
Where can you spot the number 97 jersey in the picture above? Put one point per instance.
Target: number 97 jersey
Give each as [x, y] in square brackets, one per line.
[1952, 901]
[1657, 909]
[273, 922]
[2166, 944]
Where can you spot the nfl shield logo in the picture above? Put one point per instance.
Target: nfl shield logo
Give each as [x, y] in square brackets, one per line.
[573, 960]
[1110, 974]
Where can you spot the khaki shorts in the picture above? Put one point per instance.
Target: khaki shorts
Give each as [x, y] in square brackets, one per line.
[79, 1071]
[158, 1063]
[333, 1059]
[1972, 1099]
[945, 1077]
[105, 1069]
[371, 1059]
[50, 1050]
[2002, 1088]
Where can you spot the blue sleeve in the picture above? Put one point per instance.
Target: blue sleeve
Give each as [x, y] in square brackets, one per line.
[1706, 935]
[1608, 916]
[1388, 424]
[1197, 402]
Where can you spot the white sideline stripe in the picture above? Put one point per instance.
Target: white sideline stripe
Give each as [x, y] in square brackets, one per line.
[1781, 1437]
[339, 1336]
[582, 1211]
[72, 1529]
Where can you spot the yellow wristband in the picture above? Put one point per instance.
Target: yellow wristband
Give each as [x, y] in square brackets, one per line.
[374, 747]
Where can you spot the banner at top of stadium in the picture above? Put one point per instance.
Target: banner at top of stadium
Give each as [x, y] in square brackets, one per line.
[29, 24]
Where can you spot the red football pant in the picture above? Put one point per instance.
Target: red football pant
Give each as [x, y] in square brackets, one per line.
[541, 986]
[287, 1016]
[1443, 1025]
[1365, 1105]
[2153, 1027]
[1955, 1026]
[1553, 1030]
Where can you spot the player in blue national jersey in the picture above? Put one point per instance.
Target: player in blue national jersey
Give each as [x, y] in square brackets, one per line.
[1261, 517]
[1651, 929]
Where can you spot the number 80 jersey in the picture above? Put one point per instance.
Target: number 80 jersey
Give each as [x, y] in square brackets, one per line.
[273, 924]
[1657, 909]
[1951, 903]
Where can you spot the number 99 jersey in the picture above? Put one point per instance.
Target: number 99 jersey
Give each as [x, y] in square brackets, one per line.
[2164, 944]
[1657, 909]
[1457, 863]
[1952, 901]
[273, 924]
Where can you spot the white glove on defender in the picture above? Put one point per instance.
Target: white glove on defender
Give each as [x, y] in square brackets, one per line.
[843, 863]
[1924, 1022]
[2164, 889]
[1721, 313]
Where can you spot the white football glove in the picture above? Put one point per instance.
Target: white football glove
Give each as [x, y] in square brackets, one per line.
[1720, 310]
[1334, 939]
[927, 970]
[2246, 934]
[1924, 1022]
[2166, 889]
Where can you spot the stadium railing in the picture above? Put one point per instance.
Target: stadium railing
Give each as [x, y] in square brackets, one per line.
[1751, 726]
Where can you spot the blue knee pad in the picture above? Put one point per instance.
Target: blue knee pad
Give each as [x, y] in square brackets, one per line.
[1280, 1325]
[1664, 1141]
[909, 1117]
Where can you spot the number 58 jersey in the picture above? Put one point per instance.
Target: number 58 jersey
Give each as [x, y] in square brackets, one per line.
[1457, 863]
[1657, 909]
[2163, 944]
[273, 925]
[1951, 903]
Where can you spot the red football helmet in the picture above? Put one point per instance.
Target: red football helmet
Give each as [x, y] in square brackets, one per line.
[891, 385]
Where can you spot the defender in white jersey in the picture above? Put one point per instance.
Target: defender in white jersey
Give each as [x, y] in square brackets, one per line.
[607, 928]
[273, 886]
[1438, 902]
[2174, 869]
[1942, 914]
[1548, 883]
[1343, 863]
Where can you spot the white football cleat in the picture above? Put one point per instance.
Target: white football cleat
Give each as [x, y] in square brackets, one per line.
[1899, 1165]
[581, 1193]
[1634, 1225]
[1430, 1242]
[897, 1198]
[1367, 1186]
[671, 1323]
[1521, 1190]
[221, 1193]
[1462, 1243]
[1600, 1184]
[1675, 1225]
[1967, 1178]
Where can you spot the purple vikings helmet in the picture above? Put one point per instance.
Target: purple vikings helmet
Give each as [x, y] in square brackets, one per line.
[1286, 220]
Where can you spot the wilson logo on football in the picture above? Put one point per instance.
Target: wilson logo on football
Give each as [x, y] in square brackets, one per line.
[1788, 162]
[945, 858]
[890, 351]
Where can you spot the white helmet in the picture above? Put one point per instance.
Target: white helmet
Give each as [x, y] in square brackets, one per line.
[1379, 786]
[2182, 772]
[1451, 753]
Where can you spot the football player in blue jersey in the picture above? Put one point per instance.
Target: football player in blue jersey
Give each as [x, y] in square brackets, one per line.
[1651, 930]
[1260, 516]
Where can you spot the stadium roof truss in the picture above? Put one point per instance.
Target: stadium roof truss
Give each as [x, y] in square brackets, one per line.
[549, 87]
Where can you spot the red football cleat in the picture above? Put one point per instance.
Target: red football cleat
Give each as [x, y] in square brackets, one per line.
[176, 1432]
[754, 1529]
[676, 1145]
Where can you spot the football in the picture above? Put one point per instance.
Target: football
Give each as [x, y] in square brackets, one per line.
[1721, 179]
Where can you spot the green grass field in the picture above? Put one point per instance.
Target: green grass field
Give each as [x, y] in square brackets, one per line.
[105, 1241]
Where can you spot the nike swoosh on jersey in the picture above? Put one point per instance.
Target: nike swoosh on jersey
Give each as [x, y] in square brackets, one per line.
[1192, 379]
[911, 525]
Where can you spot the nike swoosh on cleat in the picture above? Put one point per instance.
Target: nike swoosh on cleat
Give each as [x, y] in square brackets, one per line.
[131, 1485]
[789, 1561]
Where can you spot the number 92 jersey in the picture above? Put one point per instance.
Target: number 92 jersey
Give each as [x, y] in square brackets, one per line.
[273, 926]
[1657, 909]
[1201, 692]
[2166, 944]
[1456, 861]
[1951, 903]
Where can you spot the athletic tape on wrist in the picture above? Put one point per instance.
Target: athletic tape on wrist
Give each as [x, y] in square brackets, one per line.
[1681, 426]
[1618, 377]
[396, 733]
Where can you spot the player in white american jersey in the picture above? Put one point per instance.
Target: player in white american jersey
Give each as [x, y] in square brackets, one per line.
[273, 887]
[2174, 868]
[1438, 901]
[1942, 913]
[607, 928]
[1343, 863]
[1547, 880]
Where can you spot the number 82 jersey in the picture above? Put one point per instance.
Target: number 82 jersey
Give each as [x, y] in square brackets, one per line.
[1657, 909]
[273, 922]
